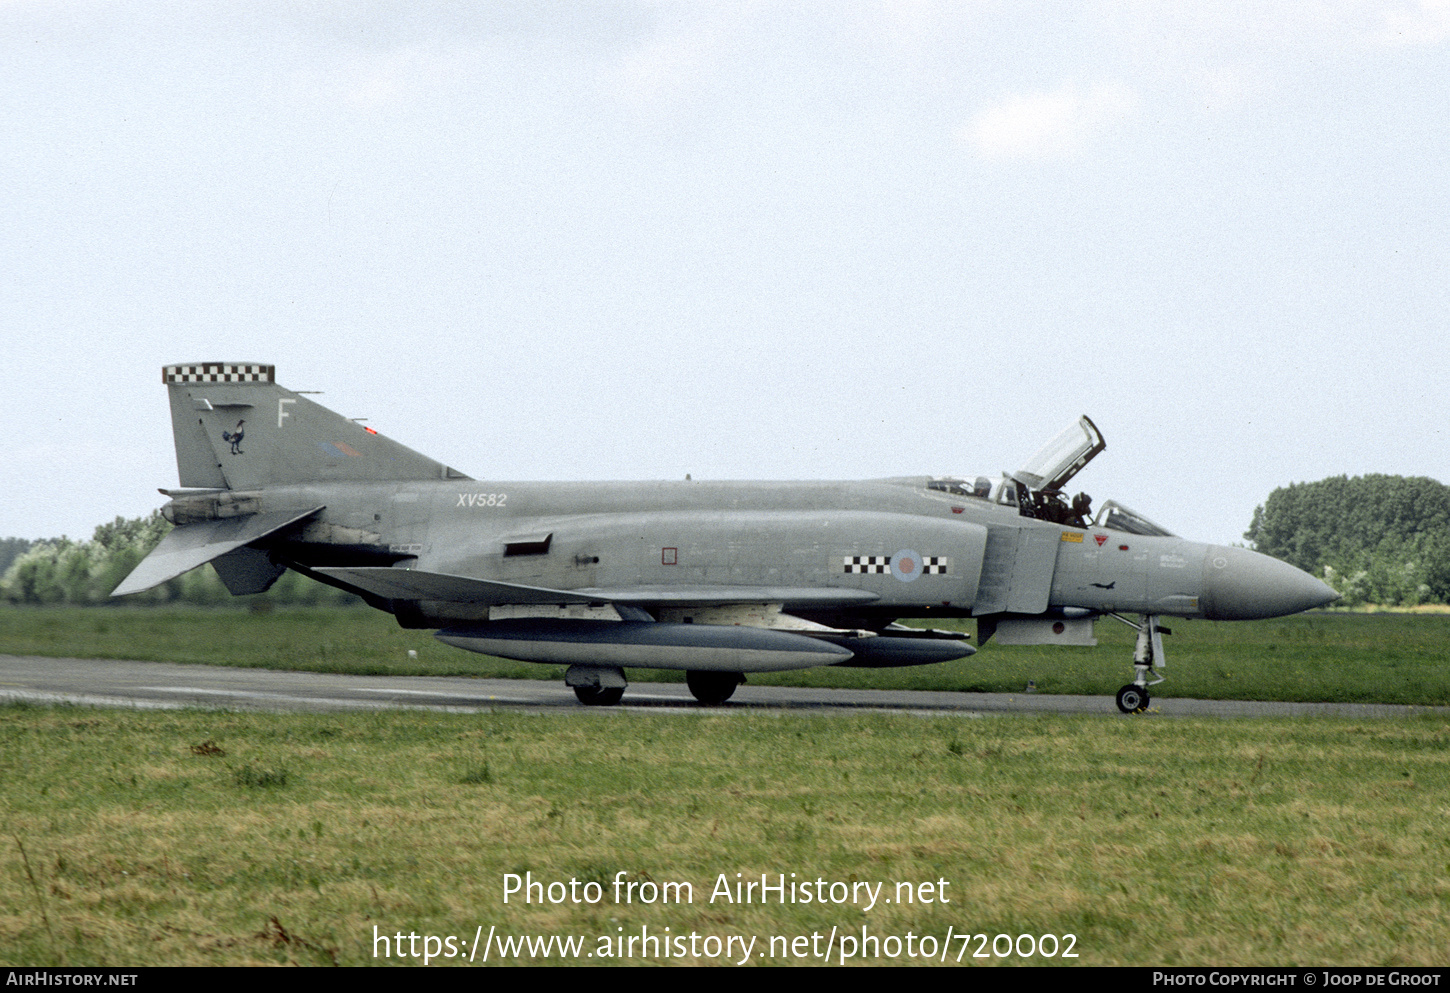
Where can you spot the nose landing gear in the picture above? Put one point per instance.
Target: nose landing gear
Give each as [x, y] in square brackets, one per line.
[1147, 658]
[1133, 699]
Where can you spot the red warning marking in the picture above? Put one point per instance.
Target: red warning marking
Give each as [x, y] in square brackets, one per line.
[369, 430]
[958, 510]
[1122, 548]
[669, 556]
[1100, 538]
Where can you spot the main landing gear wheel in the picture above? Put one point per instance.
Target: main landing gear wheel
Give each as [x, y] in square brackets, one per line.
[1133, 699]
[712, 688]
[599, 696]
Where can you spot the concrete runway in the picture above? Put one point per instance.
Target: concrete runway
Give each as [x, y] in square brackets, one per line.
[114, 683]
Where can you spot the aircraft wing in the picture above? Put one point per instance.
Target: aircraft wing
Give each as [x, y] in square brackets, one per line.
[413, 584]
[190, 545]
[719, 596]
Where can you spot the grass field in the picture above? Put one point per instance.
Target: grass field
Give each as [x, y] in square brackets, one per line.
[151, 838]
[133, 838]
[1334, 657]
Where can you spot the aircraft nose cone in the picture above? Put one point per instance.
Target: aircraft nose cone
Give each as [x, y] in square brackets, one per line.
[1240, 585]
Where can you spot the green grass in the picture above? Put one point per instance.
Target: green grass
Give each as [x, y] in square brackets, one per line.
[169, 838]
[212, 838]
[1335, 657]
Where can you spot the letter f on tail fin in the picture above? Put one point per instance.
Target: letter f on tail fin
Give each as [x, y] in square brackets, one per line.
[235, 428]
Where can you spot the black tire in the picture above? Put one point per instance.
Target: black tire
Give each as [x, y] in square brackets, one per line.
[1133, 699]
[712, 688]
[599, 696]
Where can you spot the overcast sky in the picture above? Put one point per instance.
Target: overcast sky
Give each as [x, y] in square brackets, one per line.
[635, 240]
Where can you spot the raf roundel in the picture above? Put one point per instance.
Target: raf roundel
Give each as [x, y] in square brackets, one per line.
[906, 565]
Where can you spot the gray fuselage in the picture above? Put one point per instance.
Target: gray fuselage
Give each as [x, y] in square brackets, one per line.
[972, 557]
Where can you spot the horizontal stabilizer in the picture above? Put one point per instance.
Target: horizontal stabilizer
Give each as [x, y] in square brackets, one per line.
[414, 584]
[191, 545]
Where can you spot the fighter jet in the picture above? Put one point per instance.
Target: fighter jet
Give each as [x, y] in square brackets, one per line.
[719, 579]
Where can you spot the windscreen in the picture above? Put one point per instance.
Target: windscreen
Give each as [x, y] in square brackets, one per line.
[1115, 517]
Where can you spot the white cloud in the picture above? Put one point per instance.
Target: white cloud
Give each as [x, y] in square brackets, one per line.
[1051, 125]
[1425, 23]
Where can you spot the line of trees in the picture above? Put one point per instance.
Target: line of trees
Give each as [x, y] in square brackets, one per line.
[1376, 539]
[11, 549]
[62, 571]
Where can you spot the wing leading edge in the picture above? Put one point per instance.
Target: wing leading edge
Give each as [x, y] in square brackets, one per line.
[413, 584]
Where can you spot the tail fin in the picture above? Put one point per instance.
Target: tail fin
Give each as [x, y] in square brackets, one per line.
[236, 428]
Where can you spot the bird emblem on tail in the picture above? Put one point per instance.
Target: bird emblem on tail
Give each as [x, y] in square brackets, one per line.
[235, 437]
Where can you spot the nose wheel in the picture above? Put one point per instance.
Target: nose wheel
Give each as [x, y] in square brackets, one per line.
[1133, 699]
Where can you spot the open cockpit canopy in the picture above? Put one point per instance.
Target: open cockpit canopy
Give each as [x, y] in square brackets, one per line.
[1036, 490]
[1050, 469]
